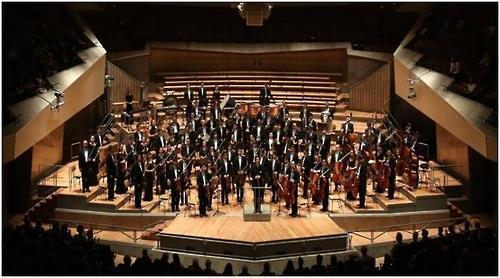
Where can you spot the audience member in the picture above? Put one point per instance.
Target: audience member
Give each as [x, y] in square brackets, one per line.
[244, 271]
[228, 270]
[267, 270]
[318, 268]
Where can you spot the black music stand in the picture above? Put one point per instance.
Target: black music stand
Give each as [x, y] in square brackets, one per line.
[218, 193]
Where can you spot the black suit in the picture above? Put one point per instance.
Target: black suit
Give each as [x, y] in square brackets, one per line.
[189, 98]
[174, 175]
[307, 164]
[83, 164]
[239, 164]
[295, 178]
[265, 96]
[203, 183]
[257, 174]
[324, 145]
[362, 171]
[202, 97]
[273, 166]
[226, 169]
[136, 174]
[111, 173]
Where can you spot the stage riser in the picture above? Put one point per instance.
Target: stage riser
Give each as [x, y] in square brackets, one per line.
[426, 202]
[392, 208]
[131, 220]
[250, 251]
[379, 221]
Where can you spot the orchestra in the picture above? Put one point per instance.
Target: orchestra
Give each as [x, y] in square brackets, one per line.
[256, 143]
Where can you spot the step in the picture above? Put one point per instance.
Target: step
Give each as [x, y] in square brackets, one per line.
[370, 206]
[104, 204]
[146, 206]
[424, 198]
[400, 203]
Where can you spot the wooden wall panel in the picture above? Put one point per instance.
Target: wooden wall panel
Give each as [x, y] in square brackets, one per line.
[370, 93]
[451, 150]
[163, 60]
[122, 81]
[47, 151]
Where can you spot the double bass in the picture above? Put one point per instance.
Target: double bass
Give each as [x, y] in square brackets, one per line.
[381, 176]
[284, 190]
[351, 184]
[313, 182]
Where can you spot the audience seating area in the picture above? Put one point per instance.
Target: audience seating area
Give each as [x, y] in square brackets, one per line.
[43, 40]
[29, 249]
[465, 33]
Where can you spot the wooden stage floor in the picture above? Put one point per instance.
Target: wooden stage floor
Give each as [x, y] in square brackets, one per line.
[236, 229]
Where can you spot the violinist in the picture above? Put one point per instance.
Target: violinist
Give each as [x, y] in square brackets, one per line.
[284, 111]
[274, 168]
[175, 130]
[175, 179]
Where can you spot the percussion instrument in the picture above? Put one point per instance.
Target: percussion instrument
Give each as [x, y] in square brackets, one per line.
[243, 108]
[254, 109]
[274, 110]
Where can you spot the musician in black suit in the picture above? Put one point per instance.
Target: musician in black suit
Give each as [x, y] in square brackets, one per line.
[324, 181]
[189, 99]
[186, 181]
[175, 130]
[347, 126]
[305, 115]
[284, 112]
[292, 154]
[216, 96]
[274, 168]
[129, 98]
[93, 163]
[136, 175]
[175, 180]
[138, 138]
[203, 183]
[295, 178]
[149, 168]
[256, 175]
[362, 172]
[265, 95]
[202, 96]
[324, 142]
[216, 113]
[226, 169]
[307, 164]
[240, 167]
[111, 172]
[83, 165]
[391, 160]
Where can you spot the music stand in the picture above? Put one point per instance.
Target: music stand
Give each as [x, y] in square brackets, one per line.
[218, 193]
[257, 195]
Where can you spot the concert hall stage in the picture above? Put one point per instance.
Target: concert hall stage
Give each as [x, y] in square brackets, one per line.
[231, 236]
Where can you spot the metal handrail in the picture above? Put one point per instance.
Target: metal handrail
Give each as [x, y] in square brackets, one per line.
[385, 229]
[121, 229]
[42, 178]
